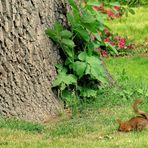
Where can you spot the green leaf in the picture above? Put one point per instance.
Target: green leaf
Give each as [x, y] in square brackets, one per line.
[68, 43]
[68, 51]
[111, 47]
[82, 33]
[57, 27]
[82, 56]
[87, 92]
[60, 67]
[93, 4]
[63, 79]
[132, 11]
[88, 70]
[68, 61]
[79, 68]
[96, 69]
[73, 4]
[67, 96]
[51, 34]
[71, 19]
[92, 27]
[88, 19]
[98, 37]
[70, 79]
[93, 60]
[115, 4]
[66, 34]
[54, 32]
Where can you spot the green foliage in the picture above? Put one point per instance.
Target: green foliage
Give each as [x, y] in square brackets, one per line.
[81, 73]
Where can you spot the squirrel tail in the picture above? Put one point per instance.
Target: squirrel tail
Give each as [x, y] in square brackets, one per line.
[137, 111]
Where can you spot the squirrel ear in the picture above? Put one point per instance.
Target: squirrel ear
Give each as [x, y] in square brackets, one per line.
[119, 121]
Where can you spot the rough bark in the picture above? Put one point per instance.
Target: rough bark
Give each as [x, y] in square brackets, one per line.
[27, 58]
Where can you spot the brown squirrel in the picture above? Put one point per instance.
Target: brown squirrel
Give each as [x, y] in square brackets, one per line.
[136, 123]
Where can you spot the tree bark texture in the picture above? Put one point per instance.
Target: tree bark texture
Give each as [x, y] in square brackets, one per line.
[27, 58]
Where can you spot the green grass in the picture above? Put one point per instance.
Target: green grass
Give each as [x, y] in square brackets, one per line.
[133, 26]
[135, 67]
[97, 125]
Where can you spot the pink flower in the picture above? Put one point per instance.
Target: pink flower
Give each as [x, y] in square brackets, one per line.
[112, 43]
[106, 30]
[117, 37]
[121, 43]
[95, 7]
[122, 40]
[99, 48]
[129, 46]
[106, 40]
[116, 7]
[110, 13]
[103, 53]
[118, 15]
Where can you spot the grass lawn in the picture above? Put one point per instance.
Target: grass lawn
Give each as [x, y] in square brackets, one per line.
[133, 26]
[96, 126]
[135, 67]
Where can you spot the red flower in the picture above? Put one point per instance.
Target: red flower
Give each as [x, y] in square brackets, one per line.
[129, 46]
[117, 37]
[106, 30]
[112, 43]
[118, 15]
[103, 53]
[110, 13]
[121, 43]
[122, 40]
[116, 7]
[106, 40]
[99, 48]
[95, 7]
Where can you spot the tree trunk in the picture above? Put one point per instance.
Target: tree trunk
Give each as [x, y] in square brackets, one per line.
[27, 58]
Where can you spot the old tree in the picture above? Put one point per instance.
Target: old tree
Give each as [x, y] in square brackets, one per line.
[27, 58]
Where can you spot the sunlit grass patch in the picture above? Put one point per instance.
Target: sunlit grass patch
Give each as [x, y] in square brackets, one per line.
[133, 26]
[135, 67]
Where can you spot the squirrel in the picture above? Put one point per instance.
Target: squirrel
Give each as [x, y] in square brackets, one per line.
[136, 123]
